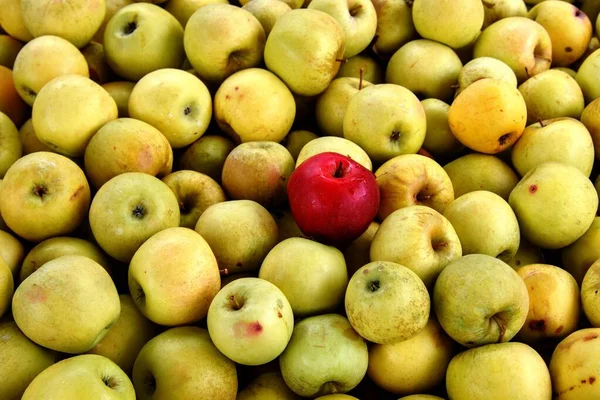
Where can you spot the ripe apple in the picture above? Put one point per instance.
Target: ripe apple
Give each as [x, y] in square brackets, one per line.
[304, 49]
[590, 117]
[254, 105]
[12, 252]
[297, 139]
[9, 49]
[112, 6]
[357, 253]
[354, 66]
[267, 12]
[555, 204]
[590, 288]
[232, 39]
[386, 302]
[82, 376]
[495, 10]
[285, 223]
[333, 198]
[412, 179]
[99, 70]
[207, 155]
[44, 195]
[130, 208]
[394, 26]
[526, 254]
[68, 305]
[581, 254]
[240, 233]
[499, 371]
[21, 360]
[311, 275]
[250, 321]
[419, 238]
[141, 38]
[11, 148]
[427, 68]
[269, 385]
[184, 9]
[11, 20]
[11, 103]
[491, 316]
[173, 277]
[7, 287]
[120, 91]
[439, 138]
[183, 363]
[175, 102]
[485, 67]
[336, 145]
[29, 140]
[587, 76]
[324, 356]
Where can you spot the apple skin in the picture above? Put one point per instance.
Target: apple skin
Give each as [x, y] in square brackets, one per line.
[7, 287]
[333, 198]
[11, 148]
[11, 20]
[587, 76]
[589, 294]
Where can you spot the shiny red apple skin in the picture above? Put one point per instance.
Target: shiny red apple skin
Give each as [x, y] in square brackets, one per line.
[333, 198]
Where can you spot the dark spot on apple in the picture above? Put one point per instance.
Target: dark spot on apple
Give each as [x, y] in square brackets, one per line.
[150, 383]
[76, 193]
[254, 328]
[592, 380]
[366, 271]
[568, 49]
[130, 28]
[138, 212]
[238, 264]
[110, 382]
[571, 388]
[537, 325]
[559, 329]
[578, 13]
[439, 244]
[583, 381]
[28, 91]
[40, 191]
[589, 337]
[374, 286]
[502, 140]
[227, 97]
[237, 88]
[596, 292]
[279, 314]
[279, 303]
[140, 295]
[532, 189]
[187, 110]
[395, 136]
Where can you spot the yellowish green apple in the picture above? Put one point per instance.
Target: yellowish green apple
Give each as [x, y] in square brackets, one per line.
[587, 76]
[363, 64]
[439, 138]
[12, 21]
[99, 71]
[207, 155]
[590, 117]
[269, 385]
[11, 148]
[580, 255]
[526, 254]
[495, 10]
[395, 26]
[184, 9]
[296, 140]
[337, 145]
[112, 6]
[9, 49]
[485, 67]
[266, 12]
[357, 253]
[120, 92]
[7, 287]
[29, 140]
[590, 301]
[12, 252]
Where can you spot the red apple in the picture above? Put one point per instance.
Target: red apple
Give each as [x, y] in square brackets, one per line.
[333, 198]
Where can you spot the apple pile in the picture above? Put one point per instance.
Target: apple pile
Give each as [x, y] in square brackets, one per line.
[287, 199]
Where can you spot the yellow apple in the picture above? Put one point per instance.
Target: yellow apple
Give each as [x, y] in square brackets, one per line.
[590, 117]
[590, 301]
[9, 48]
[29, 140]
[120, 91]
[395, 26]
[207, 155]
[11, 148]
[7, 287]
[587, 76]
[337, 145]
[11, 20]
[266, 12]
[295, 140]
[184, 9]
[12, 252]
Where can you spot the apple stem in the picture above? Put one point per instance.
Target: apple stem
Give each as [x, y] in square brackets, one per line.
[541, 122]
[236, 304]
[338, 170]
[224, 272]
[341, 60]
[361, 72]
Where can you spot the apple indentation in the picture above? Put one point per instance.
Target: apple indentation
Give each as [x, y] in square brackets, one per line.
[339, 170]
[422, 197]
[186, 205]
[40, 190]
[110, 382]
[29, 92]
[439, 244]
[537, 325]
[235, 303]
[139, 211]
[140, 295]
[187, 110]
[129, 28]
[374, 286]
[150, 384]
[500, 319]
[502, 140]
[355, 10]
[395, 136]
[568, 49]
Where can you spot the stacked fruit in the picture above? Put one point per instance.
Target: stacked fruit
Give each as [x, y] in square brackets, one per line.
[285, 199]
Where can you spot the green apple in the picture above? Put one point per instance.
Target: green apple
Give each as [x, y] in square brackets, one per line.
[195, 192]
[11, 20]
[76, 23]
[64, 121]
[127, 336]
[386, 120]
[183, 363]
[554, 303]
[337, 145]
[173, 277]
[495, 10]
[564, 140]
[285, 223]
[304, 49]
[447, 23]
[250, 321]
[339, 396]
[412, 179]
[56, 247]
[587, 76]
[331, 105]
[112, 6]
[394, 26]
[232, 39]
[311, 275]
[269, 385]
[9, 49]
[526, 254]
[419, 238]
[67, 305]
[254, 105]
[499, 371]
[266, 12]
[240, 233]
[21, 360]
[129, 209]
[120, 91]
[11, 148]
[295, 141]
[258, 171]
[590, 117]
[82, 376]
[590, 287]
[581, 254]
[569, 28]
[485, 224]
[357, 253]
[485, 67]
[141, 38]
[44, 195]
[207, 155]
[572, 366]
[386, 302]
[12, 252]
[555, 204]
[324, 356]
[521, 43]
[552, 94]
[469, 312]
[357, 18]
[439, 138]
[7, 287]
[184, 9]
[175, 102]
[427, 68]
[43, 59]
[354, 66]
[395, 368]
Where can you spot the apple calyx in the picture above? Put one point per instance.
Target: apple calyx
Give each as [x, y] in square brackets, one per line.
[438, 245]
[138, 211]
[374, 286]
[395, 136]
[504, 138]
[40, 191]
[129, 28]
[110, 382]
[355, 10]
[150, 384]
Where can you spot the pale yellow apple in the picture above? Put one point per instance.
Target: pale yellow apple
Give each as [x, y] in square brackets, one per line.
[286, 224]
[296, 140]
[269, 385]
[439, 138]
[69, 110]
[485, 67]
[590, 117]
[590, 301]
[357, 253]
[267, 12]
[569, 28]
[21, 360]
[574, 369]
[11, 20]
[523, 44]
[43, 59]
[412, 179]
[207, 155]
[587, 76]
[175, 102]
[526, 254]
[29, 140]
[421, 397]
[394, 367]
[580, 255]
[498, 372]
[9, 49]
[411, 67]
[99, 70]
[359, 64]
[337, 145]
[495, 10]
[7, 287]
[552, 94]
[12, 252]
[11, 148]
[254, 105]
[394, 26]
[195, 192]
[120, 91]
[44, 195]
[112, 6]
[126, 145]
[67, 305]
[184, 9]
[572, 73]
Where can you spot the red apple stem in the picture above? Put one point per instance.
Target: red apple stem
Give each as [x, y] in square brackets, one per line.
[361, 72]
